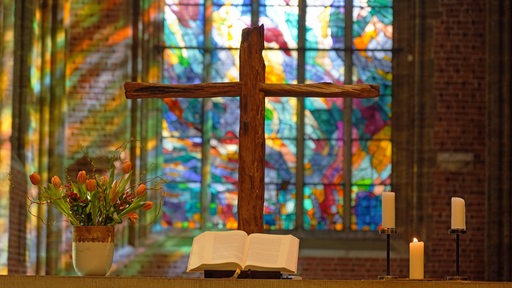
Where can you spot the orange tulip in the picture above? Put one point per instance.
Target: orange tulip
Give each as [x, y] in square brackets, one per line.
[141, 190]
[132, 216]
[104, 180]
[147, 205]
[82, 177]
[90, 185]
[35, 178]
[127, 167]
[56, 182]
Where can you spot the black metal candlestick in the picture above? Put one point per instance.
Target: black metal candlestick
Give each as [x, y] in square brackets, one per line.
[457, 276]
[388, 232]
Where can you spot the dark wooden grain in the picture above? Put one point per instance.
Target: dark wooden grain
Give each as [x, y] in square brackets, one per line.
[323, 90]
[251, 163]
[142, 90]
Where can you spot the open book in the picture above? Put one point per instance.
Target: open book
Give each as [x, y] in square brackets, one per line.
[232, 250]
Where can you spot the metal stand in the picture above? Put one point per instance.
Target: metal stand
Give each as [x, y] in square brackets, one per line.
[388, 232]
[457, 276]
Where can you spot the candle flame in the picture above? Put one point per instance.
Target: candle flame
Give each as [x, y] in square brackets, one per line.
[415, 240]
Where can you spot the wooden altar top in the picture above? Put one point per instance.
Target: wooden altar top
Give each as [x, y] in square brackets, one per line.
[15, 281]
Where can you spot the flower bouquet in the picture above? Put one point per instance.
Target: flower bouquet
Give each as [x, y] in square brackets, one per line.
[94, 204]
[93, 200]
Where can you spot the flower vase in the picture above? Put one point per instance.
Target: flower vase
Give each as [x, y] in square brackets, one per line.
[93, 249]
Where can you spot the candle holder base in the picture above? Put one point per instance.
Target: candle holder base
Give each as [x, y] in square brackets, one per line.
[387, 232]
[457, 232]
[457, 278]
[388, 277]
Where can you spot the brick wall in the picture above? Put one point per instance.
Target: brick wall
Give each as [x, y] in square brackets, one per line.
[18, 219]
[6, 71]
[459, 136]
[351, 268]
[98, 63]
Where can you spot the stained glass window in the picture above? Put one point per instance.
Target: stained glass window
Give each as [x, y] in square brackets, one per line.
[332, 154]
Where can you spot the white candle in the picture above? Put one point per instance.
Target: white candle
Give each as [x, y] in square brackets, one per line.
[416, 259]
[458, 213]
[388, 209]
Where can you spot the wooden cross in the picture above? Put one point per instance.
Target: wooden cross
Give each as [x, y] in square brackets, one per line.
[252, 90]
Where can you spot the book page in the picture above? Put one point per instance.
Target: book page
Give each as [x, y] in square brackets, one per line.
[217, 250]
[272, 253]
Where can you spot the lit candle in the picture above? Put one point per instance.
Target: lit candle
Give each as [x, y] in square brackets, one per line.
[416, 259]
[388, 209]
[458, 213]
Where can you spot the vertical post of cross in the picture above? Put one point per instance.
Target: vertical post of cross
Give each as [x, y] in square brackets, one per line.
[251, 161]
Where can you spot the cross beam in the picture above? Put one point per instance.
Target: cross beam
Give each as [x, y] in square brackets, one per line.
[252, 91]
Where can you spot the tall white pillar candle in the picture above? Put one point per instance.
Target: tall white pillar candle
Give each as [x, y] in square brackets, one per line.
[416, 259]
[388, 209]
[458, 213]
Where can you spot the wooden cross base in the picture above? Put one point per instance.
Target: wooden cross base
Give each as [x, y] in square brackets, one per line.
[252, 91]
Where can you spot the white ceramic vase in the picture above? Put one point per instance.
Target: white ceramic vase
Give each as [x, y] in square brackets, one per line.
[93, 249]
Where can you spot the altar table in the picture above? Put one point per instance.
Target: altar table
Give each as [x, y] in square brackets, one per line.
[19, 281]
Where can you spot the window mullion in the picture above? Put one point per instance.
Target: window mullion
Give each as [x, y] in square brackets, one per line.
[347, 120]
[255, 13]
[299, 185]
[206, 124]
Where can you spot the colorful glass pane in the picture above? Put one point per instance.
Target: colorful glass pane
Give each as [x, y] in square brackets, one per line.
[181, 206]
[323, 164]
[182, 66]
[325, 2]
[225, 115]
[183, 24]
[280, 19]
[281, 66]
[323, 207]
[323, 118]
[325, 66]
[224, 65]
[374, 67]
[279, 209]
[325, 26]
[228, 21]
[367, 207]
[182, 159]
[182, 117]
[323, 161]
[371, 153]
[222, 206]
[280, 161]
[184, 2]
[371, 162]
[372, 118]
[372, 28]
[224, 162]
[232, 2]
[281, 118]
